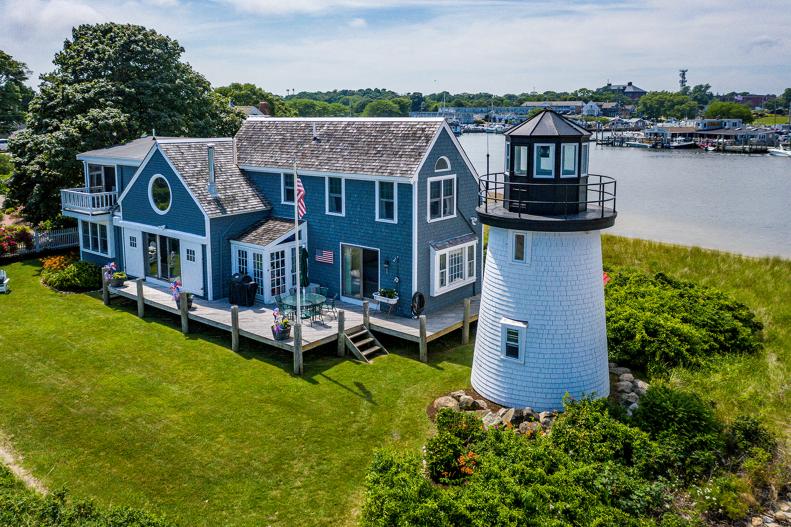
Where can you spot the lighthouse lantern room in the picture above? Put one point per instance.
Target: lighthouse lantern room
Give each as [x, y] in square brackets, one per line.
[541, 326]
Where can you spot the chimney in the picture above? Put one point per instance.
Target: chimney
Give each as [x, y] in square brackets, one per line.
[212, 187]
[264, 108]
[629, 83]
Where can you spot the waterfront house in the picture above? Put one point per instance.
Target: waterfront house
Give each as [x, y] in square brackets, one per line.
[592, 109]
[390, 204]
[628, 90]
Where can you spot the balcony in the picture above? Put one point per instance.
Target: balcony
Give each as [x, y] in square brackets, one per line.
[87, 201]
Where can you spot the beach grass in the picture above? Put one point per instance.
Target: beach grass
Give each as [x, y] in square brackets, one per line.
[132, 412]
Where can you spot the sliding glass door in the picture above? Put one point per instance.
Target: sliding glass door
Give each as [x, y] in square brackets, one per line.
[163, 257]
[359, 272]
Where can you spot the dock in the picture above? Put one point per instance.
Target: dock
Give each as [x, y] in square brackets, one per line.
[255, 322]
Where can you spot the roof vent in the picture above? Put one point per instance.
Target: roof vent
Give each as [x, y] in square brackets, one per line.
[212, 187]
[316, 138]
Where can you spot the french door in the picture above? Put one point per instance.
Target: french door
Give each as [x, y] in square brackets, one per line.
[359, 272]
[163, 257]
[277, 273]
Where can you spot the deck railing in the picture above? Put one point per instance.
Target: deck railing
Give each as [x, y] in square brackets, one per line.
[90, 201]
[497, 192]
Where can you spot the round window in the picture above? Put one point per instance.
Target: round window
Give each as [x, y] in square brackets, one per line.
[160, 194]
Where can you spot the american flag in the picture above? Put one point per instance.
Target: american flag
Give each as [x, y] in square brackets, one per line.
[301, 198]
[324, 256]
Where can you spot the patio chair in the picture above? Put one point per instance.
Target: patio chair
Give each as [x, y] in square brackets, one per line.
[4, 280]
[329, 306]
[284, 310]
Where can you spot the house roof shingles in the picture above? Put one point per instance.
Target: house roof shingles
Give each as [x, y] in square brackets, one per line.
[266, 231]
[374, 147]
[235, 193]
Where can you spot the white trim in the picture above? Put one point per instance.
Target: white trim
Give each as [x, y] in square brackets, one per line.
[283, 188]
[319, 173]
[563, 146]
[151, 197]
[327, 196]
[535, 160]
[521, 328]
[159, 230]
[435, 288]
[447, 162]
[110, 234]
[207, 261]
[415, 254]
[585, 155]
[349, 299]
[442, 197]
[395, 202]
[139, 170]
[416, 175]
[461, 150]
[528, 246]
[98, 160]
[277, 241]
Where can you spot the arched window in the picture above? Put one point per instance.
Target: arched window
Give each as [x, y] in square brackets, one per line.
[442, 165]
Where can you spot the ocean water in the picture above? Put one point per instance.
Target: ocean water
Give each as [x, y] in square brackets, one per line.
[731, 202]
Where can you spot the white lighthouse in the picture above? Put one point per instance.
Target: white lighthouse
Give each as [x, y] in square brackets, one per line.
[541, 327]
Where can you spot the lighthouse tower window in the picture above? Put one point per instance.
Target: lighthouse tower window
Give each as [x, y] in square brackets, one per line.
[521, 245]
[584, 160]
[545, 161]
[512, 335]
[520, 160]
[568, 161]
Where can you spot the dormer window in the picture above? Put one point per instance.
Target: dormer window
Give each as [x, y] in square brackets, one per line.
[442, 165]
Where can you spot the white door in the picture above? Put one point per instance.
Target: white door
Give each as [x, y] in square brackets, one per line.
[277, 283]
[191, 267]
[134, 264]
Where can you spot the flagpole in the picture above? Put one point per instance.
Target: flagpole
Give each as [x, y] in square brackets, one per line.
[296, 243]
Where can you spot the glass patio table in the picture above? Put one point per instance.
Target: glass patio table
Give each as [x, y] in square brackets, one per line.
[311, 303]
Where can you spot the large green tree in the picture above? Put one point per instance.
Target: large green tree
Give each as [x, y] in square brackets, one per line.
[112, 83]
[248, 94]
[382, 108]
[15, 95]
[729, 110]
[657, 104]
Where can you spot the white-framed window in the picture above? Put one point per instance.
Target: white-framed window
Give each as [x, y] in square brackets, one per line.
[241, 261]
[335, 196]
[568, 160]
[160, 195]
[544, 161]
[442, 165]
[584, 161]
[287, 188]
[520, 160]
[190, 254]
[94, 238]
[441, 198]
[453, 267]
[133, 242]
[521, 246]
[101, 178]
[386, 201]
[512, 339]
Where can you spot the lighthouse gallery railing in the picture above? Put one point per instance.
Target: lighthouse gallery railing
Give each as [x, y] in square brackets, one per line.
[495, 192]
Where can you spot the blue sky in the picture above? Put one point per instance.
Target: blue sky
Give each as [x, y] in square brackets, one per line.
[500, 46]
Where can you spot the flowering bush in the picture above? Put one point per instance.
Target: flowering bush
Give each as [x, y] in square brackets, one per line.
[12, 236]
[77, 277]
[281, 323]
[57, 263]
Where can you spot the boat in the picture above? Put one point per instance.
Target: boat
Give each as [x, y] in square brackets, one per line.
[636, 144]
[779, 151]
[679, 143]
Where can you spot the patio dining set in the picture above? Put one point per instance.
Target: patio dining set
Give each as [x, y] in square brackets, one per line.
[315, 304]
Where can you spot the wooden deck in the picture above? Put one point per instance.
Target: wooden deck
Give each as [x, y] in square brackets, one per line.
[255, 322]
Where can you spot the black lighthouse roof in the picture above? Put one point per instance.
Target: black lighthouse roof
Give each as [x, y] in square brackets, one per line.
[548, 124]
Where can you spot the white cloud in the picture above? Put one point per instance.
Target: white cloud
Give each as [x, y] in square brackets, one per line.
[357, 22]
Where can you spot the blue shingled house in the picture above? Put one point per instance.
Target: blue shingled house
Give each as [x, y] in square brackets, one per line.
[390, 204]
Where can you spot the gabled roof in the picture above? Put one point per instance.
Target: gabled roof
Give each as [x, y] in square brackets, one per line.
[266, 231]
[235, 193]
[373, 147]
[134, 151]
[548, 124]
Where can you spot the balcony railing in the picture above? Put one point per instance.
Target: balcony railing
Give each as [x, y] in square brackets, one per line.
[89, 201]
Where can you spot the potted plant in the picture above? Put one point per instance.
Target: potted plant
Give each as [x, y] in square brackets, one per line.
[281, 327]
[175, 290]
[386, 296]
[118, 279]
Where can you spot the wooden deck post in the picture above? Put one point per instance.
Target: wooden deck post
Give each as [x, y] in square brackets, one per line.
[235, 328]
[465, 328]
[298, 368]
[423, 342]
[105, 290]
[366, 314]
[341, 330]
[141, 301]
[184, 308]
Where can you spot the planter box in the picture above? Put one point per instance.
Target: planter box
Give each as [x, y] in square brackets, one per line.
[189, 302]
[117, 282]
[385, 300]
[283, 335]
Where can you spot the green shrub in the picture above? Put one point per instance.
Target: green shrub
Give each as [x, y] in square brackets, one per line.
[79, 276]
[442, 457]
[726, 497]
[746, 433]
[657, 322]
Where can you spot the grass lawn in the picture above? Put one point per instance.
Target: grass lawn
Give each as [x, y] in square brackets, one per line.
[134, 413]
[771, 119]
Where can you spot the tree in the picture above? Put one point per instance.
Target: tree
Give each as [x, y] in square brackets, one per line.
[417, 101]
[382, 108]
[311, 108]
[249, 94]
[701, 94]
[729, 110]
[657, 104]
[14, 94]
[111, 84]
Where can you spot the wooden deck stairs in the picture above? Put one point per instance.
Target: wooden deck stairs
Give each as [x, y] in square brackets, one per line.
[363, 345]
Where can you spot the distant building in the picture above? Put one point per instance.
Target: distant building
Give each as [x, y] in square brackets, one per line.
[592, 109]
[753, 100]
[628, 90]
[717, 124]
[557, 106]
[248, 110]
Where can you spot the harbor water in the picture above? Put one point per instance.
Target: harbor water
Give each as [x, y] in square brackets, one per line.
[732, 202]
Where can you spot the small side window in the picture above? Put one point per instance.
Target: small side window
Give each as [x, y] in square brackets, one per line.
[513, 334]
[520, 247]
[133, 241]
